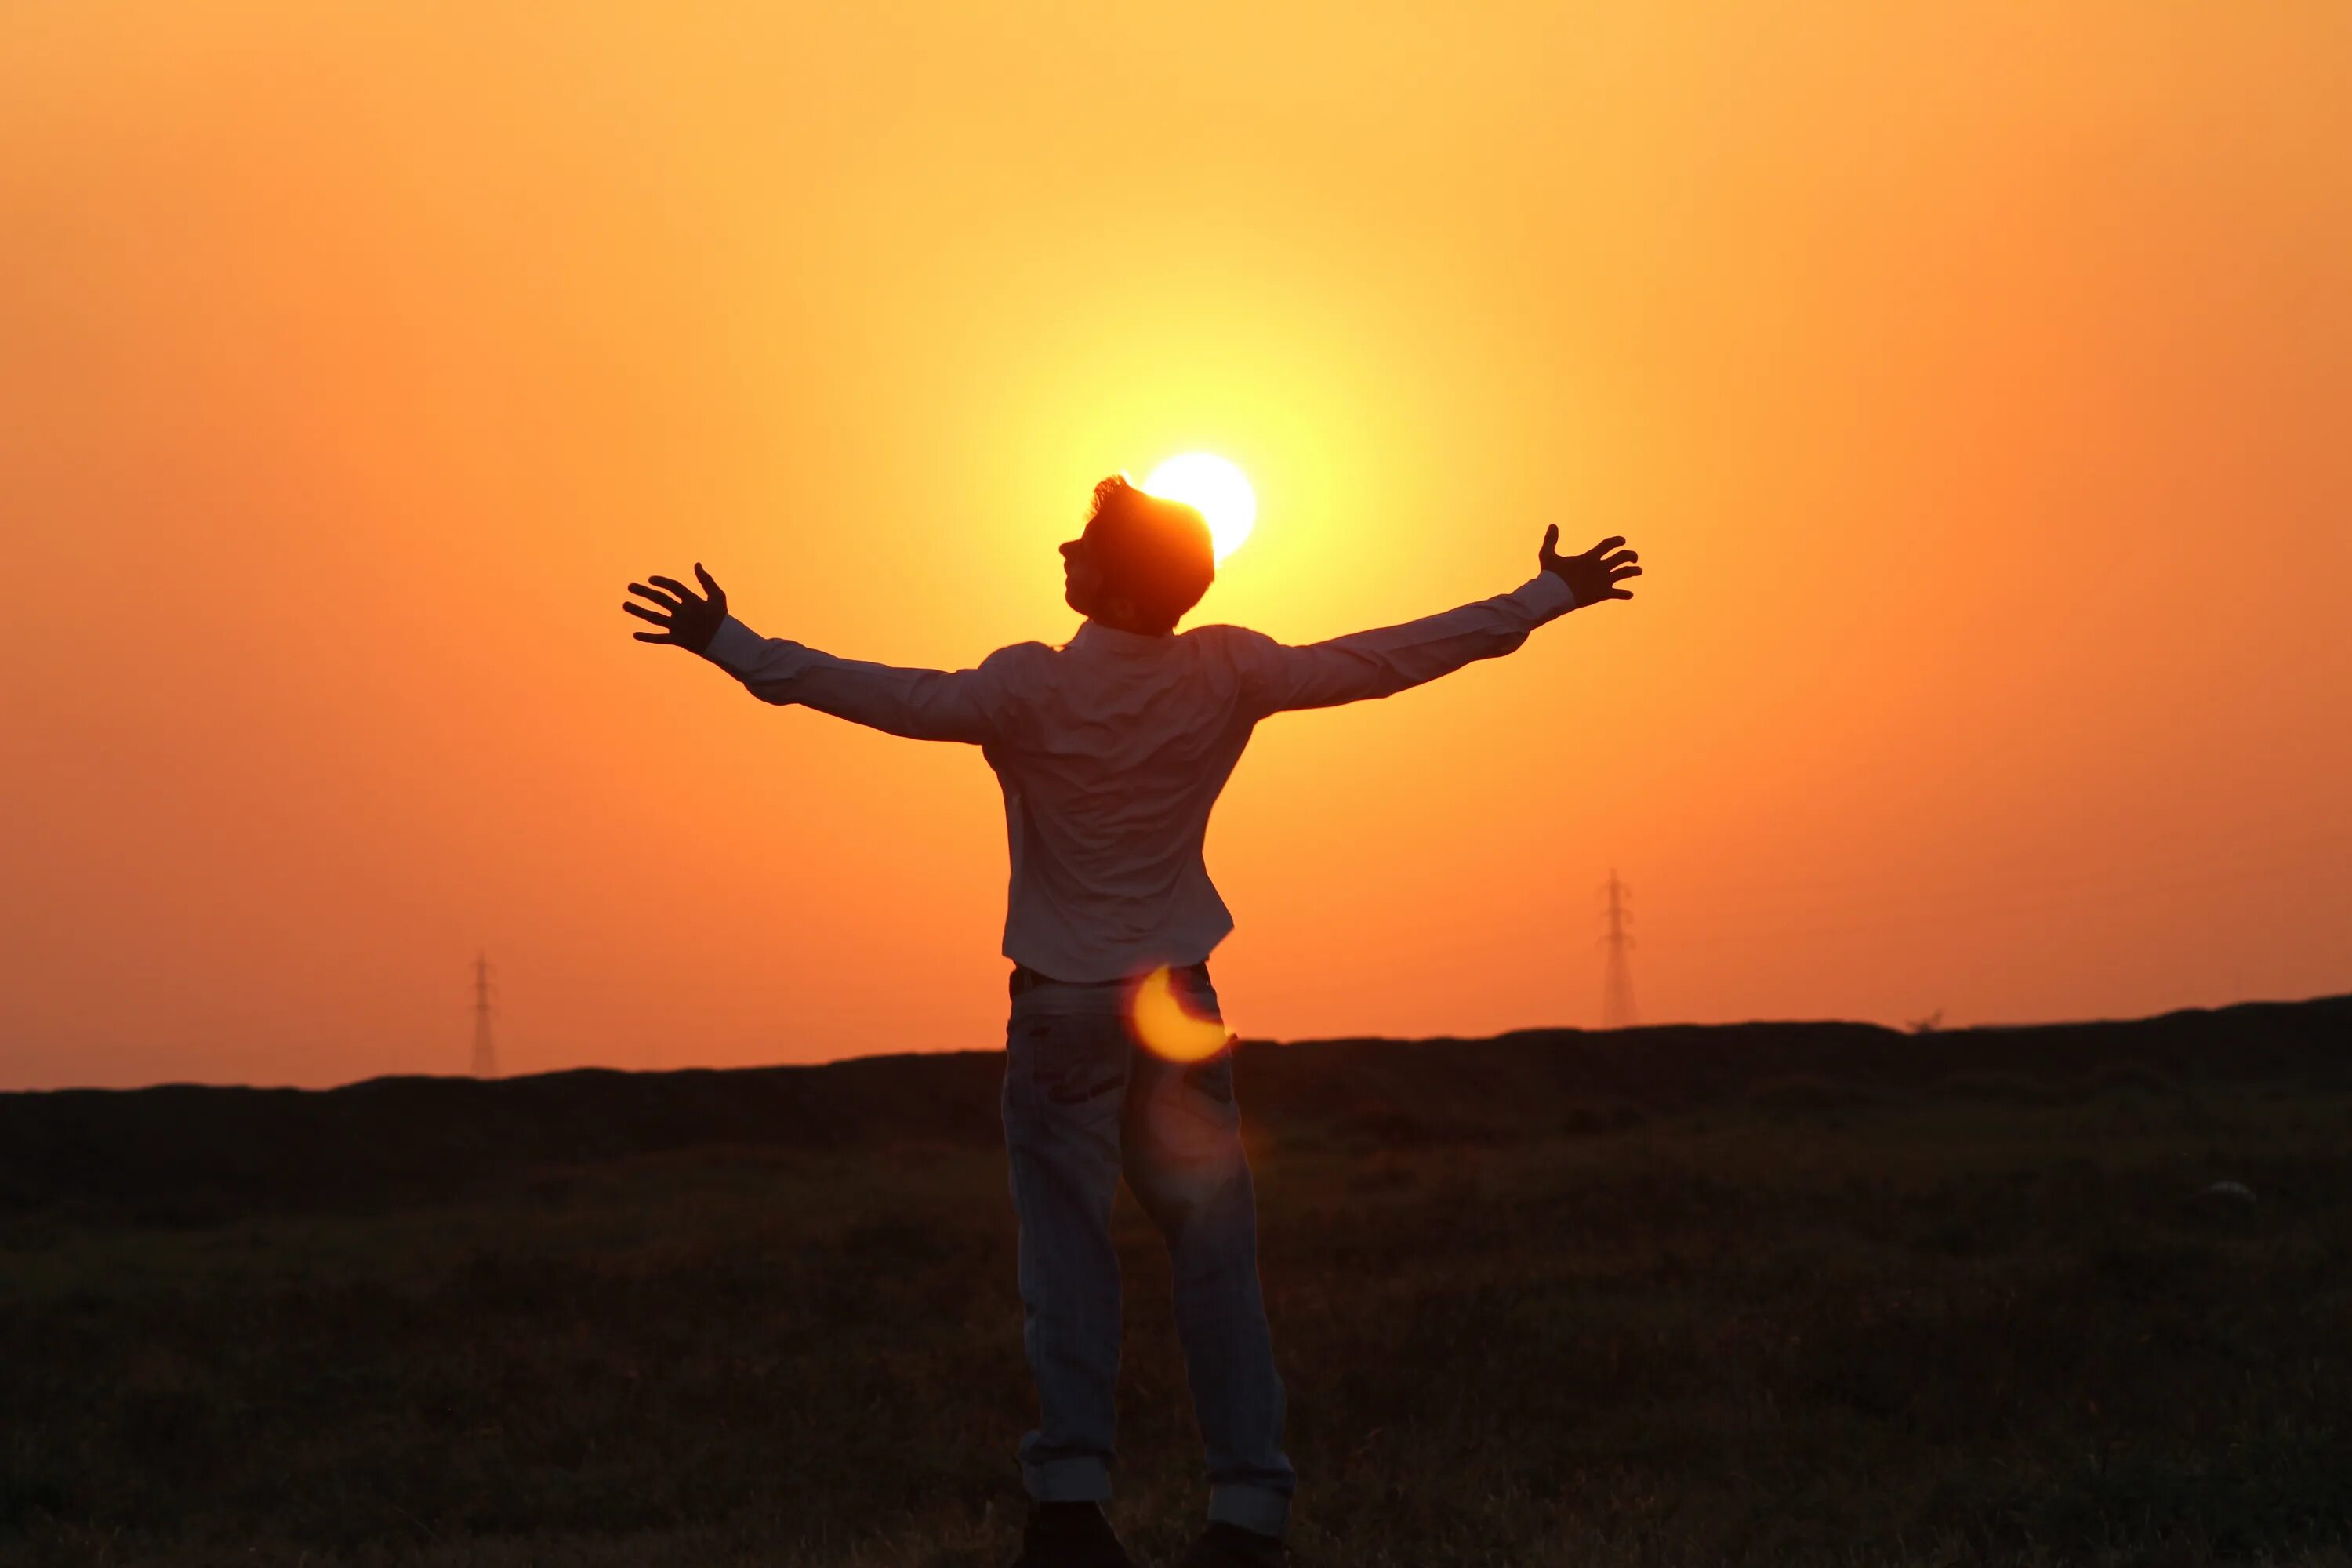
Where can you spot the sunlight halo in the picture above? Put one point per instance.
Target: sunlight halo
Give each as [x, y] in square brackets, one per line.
[1216, 488]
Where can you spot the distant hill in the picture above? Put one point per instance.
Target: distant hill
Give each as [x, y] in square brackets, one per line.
[184, 1154]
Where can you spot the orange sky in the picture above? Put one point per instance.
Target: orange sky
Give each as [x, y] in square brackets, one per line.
[1972, 379]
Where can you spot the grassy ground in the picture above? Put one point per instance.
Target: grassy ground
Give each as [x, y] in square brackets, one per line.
[1806, 1324]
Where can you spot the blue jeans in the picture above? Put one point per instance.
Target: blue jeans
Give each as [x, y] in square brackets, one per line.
[1083, 1101]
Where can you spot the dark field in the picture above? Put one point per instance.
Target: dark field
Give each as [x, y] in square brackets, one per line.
[1784, 1293]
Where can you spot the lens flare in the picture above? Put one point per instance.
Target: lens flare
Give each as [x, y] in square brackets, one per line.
[1167, 1028]
[1213, 486]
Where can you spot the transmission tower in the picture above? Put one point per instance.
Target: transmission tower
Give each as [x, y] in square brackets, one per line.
[485, 1050]
[1617, 985]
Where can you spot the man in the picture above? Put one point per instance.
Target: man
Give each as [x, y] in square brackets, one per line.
[1111, 750]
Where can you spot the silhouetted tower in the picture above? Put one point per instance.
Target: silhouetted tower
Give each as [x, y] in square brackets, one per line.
[1617, 988]
[485, 1050]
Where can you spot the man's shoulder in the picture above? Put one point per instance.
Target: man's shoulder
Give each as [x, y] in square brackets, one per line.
[1221, 635]
[1019, 655]
[1241, 650]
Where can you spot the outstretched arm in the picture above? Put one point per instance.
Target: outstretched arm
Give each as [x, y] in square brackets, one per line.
[1276, 676]
[921, 704]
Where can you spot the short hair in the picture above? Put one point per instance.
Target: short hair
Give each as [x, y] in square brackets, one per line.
[1157, 552]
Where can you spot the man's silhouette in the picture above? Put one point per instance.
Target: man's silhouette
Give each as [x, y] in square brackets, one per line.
[1111, 750]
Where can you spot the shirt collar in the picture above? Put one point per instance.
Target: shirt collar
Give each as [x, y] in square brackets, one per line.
[1094, 636]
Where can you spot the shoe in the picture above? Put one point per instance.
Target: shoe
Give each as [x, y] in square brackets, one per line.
[1224, 1546]
[1070, 1535]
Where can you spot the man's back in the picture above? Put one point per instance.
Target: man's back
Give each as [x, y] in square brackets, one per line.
[1112, 753]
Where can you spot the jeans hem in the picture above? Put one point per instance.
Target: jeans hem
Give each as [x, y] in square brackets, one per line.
[1252, 1508]
[1080, 1480]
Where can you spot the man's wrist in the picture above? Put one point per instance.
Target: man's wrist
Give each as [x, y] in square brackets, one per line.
[1547, 593]
[733, 647]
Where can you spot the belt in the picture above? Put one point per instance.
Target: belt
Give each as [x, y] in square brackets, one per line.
[1024, 978]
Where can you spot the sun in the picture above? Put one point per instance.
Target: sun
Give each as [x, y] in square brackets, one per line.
[1216, 487]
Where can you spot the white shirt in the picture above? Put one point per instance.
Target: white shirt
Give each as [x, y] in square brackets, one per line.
[1112, 750]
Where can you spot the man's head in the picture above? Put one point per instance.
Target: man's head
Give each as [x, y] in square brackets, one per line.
[1141, 563]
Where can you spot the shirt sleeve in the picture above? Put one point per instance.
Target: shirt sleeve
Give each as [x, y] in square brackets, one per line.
[968, 705]
[1276, 676]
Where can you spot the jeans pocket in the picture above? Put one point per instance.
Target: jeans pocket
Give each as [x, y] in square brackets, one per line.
[1202, 1096]
[1073, 1059]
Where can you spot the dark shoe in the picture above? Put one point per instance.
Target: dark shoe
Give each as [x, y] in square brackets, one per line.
[1070, 1535]
[1224, 1545]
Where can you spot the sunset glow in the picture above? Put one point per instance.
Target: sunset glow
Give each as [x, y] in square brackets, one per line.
[356, 354]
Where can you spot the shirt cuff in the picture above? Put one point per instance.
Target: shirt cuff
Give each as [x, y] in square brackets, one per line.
[734, 647]
[1546, 594]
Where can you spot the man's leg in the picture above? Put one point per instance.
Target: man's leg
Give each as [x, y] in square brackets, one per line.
[1065, 1077]
[1185, 1164]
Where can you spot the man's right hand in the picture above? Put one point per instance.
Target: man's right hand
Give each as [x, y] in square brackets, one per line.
[689, 621]
[1592, 576]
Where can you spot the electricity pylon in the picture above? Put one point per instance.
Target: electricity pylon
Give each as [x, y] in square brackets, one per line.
[485, 1050]
[1617, 985]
